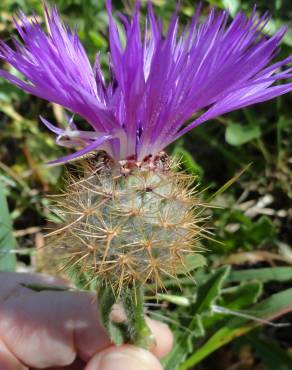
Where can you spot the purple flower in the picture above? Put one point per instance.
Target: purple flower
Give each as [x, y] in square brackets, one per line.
[157, 81]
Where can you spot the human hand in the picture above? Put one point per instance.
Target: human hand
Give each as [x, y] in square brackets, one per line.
[61, 330]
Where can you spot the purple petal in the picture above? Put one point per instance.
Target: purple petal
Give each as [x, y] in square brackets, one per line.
[158, 82]
[91, 147]
[51, 127]
[57, 69]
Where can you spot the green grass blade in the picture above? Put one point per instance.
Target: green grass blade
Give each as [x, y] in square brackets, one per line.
[208, 293]
[273, 356]
[228, 183]
[7, 240]
[187, 161]
[263, 274]
[272, 307]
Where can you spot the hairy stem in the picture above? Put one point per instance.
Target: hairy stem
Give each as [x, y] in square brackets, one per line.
[139, 332]
[135, 329]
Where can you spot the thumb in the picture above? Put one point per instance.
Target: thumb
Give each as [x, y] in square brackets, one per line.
[124, 358]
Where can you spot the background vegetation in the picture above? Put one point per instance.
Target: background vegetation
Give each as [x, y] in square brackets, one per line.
[243, 280]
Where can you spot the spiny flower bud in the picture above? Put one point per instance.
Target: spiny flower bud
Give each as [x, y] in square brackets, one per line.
[128, 223]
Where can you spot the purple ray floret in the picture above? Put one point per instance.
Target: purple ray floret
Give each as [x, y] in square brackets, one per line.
[157, 81]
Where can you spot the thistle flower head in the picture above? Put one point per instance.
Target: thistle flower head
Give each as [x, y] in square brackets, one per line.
[128, 225]
[157, 82]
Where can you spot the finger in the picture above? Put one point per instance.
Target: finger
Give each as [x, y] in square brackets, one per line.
[124, 358]
[13, 282]
[8, 361]
[163, 337]
[49, 329]
[28, 278]
[77, 365]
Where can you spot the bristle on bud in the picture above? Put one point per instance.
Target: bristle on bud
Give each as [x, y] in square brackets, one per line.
[128, 223]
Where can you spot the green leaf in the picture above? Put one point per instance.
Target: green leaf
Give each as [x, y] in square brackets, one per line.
[177, 354]
[218, 3]
[241, 296]
[9, 92]
[98, 40]
[262, 229]
[182, 346]
[263, 274]
[232, 6]
[274, 24]
[159, 2]
[7, 240]
[175, 299]
[237, 135]
[272, 355]
[232, 300]
[192, 262]
[272, 307]
[210, 291]
[187, 161]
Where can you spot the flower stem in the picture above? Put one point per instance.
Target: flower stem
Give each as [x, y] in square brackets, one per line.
[135, 329]
[133, 304]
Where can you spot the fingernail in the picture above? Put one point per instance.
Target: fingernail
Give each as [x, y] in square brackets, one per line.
[125, 358]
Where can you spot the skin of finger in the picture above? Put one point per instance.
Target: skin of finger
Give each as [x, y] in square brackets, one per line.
[77, 365]
[163, 337]
[124, 358]
[70, 325]
[8, 360]
[49, 329]
[67, 320]
[162, 333]
[10, 282]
